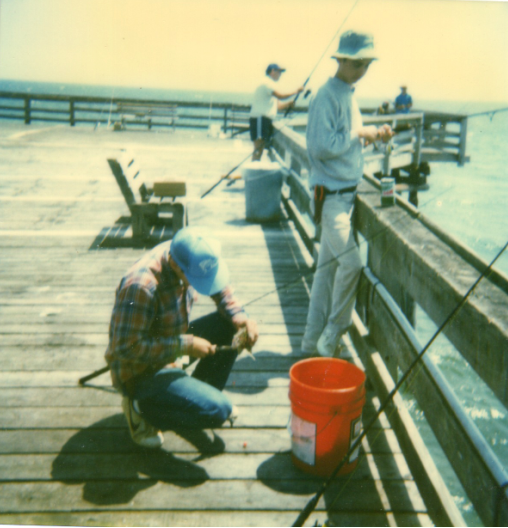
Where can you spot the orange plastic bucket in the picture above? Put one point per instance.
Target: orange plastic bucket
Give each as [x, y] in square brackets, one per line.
[327, 397]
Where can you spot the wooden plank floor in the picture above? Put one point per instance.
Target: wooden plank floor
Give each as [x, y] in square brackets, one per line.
[65, 453]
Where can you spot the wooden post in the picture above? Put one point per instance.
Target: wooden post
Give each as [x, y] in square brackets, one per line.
[386, 163]
[71, 112]
[27, 110]
[462, 144]
[225, 126]
[418, 146]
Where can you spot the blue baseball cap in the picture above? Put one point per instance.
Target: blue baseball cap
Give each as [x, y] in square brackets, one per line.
[353, 45]
[199, 259]
[274, 66]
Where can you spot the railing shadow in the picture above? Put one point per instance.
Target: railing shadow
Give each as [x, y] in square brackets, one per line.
[293, 280]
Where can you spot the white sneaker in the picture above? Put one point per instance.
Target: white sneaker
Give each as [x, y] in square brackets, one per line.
[142, 433]
[235, 412]
[327, 343]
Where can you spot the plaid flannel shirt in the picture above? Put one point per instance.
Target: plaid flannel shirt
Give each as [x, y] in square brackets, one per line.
[151, 315]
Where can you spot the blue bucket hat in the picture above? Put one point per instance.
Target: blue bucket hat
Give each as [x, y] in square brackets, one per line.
[354, 45]
[199, 259]
[274, 66]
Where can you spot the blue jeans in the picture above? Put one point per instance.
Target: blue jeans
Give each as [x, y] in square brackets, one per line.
[171, 399]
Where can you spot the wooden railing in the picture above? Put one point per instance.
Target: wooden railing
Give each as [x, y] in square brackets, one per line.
[73, 110]
[411, 260]
[444, 137]
[432, 136]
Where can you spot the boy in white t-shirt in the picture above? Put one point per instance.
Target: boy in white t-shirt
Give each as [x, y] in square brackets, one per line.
[264, 109]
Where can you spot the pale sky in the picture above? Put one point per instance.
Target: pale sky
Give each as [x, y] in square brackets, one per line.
[442, 49]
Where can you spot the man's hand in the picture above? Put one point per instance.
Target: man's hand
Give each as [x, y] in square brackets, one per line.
[201, 348]
[371, 133]
[385, 133]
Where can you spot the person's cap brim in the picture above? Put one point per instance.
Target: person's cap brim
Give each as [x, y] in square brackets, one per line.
[358, 56]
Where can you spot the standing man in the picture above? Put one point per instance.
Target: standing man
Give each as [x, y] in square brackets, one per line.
[267, 101]
[403, 101]
[335, 136]
[150, 329]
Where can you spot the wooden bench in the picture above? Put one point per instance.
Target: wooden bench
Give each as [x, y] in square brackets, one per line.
[150, 204]
[147, 114]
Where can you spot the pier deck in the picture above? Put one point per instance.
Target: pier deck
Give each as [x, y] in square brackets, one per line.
[65, 453]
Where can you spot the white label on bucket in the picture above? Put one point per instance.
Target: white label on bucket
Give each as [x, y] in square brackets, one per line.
[303, 440]
[356, 428]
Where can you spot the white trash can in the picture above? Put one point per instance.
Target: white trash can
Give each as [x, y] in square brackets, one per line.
[263, 190]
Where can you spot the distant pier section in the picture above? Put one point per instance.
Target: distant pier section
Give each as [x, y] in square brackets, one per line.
[431, 136]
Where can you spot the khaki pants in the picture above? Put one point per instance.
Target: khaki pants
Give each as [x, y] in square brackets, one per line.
[338, 270]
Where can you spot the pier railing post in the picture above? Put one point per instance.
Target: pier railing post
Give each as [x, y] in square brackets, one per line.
[71, 113]
[27, 110]
[419, 137]
[225, 125]
[462, 143]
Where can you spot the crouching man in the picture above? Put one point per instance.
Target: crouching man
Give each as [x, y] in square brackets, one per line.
[150, 328]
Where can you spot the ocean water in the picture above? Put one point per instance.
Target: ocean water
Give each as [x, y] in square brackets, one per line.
[84, 90]
[469, 202]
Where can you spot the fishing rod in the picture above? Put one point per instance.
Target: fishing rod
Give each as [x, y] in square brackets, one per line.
[321, 58]
[287, 285]
[491, 113]
[238, 344]
[222, 178]
[304, 514]
[293, 282]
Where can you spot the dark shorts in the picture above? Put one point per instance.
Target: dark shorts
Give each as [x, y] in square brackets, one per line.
[260, 127]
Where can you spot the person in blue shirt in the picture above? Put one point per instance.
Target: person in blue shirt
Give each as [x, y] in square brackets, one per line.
[403, 102]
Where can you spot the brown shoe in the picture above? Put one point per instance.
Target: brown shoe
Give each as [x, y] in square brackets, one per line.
[142, 433]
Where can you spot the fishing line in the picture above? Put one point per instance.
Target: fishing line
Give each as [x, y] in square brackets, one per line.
[291, 106]
[289, 284]
[292, 283]
[307, 510]
[490, 113]
[322, 56]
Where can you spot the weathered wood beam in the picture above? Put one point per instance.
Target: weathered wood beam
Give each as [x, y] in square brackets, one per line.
[482, 476]
[436, 277]
[442, 508]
